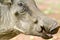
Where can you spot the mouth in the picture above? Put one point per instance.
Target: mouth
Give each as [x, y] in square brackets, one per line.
[53, 30]
[47, 35]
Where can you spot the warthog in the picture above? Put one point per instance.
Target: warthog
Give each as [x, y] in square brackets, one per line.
[23, 16]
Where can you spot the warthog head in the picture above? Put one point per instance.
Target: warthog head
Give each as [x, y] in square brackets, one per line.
[25, 17]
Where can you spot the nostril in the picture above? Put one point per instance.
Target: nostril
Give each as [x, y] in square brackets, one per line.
[54, 31]
[54, 28]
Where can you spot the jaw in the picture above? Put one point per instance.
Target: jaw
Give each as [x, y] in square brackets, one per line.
[48, 36]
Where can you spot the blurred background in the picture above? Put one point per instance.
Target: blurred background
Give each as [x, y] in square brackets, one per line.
[49, 6]
[52, 9]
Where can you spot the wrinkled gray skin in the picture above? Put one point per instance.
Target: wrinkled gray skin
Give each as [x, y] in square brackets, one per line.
[23, 16]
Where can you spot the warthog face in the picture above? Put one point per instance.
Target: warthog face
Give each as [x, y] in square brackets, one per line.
[25, 17]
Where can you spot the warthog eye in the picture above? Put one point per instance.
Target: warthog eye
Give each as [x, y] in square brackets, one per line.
[16, 14]
[21, 4]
